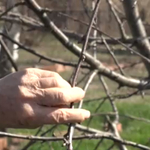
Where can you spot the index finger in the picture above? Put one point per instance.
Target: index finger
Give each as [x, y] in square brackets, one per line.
[58, 96]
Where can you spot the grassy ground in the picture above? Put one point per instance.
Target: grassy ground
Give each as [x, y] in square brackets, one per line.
[137, 106]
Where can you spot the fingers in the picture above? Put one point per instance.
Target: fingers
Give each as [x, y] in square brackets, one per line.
[41, 73]
[58, 96]
[53, 82]
[61, 115]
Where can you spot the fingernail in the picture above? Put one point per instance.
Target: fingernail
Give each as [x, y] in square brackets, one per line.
[80, 91]
[87, 114]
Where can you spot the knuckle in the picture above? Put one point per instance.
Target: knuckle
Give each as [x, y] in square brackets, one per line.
[32, 72]
[59, 116]
[56, 75]
[62, 97]
[37, 83]
[41, 93]
[28, 70]
[60, 82]
[56, 82]
[28, 116]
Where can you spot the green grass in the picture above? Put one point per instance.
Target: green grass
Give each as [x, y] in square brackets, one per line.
[133, 130]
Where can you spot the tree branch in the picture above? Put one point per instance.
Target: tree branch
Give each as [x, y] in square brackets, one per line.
[137, 29]
[90, 136]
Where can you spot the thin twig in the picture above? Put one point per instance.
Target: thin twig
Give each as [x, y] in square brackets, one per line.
[98, 144]
[110, 98]
[86, 10]
[114, 39]
[99, 106]
[121, 96]
[90, 79]
[89, 59]
[121, 115]
[111, 146]
[89, 136]
[7, 51]
[120, 24]
[113, 56]
[32, 142]
[83, 78]
[8, 10]
[34, 52]
[82, 57]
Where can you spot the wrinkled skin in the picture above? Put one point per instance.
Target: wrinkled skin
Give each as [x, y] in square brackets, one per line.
[34, 97]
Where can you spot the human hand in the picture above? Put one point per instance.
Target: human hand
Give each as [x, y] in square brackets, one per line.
[35, 97]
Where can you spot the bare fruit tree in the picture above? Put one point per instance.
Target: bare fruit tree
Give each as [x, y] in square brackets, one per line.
[90, 41]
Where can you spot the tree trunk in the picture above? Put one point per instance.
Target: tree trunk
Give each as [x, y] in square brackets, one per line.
[137, 30]
[13, 31]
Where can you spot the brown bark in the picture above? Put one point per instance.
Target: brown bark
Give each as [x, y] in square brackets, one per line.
[11, 30]
[137, 30]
